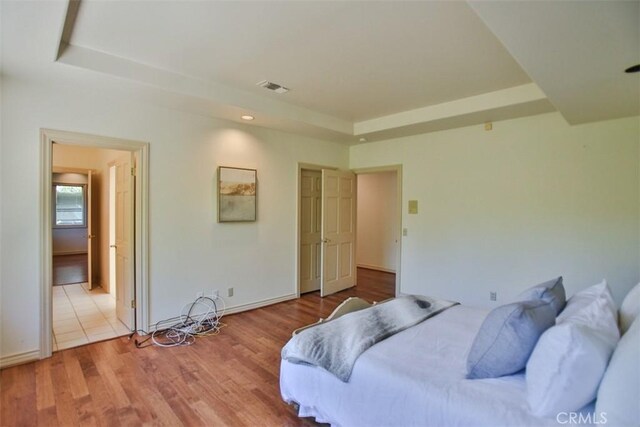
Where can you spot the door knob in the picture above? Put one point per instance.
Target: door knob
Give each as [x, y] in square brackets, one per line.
[91, 236]
[113, 246]
[326, 240]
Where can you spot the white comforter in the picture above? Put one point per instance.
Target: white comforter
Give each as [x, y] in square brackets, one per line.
[336, 345]
[414, 378]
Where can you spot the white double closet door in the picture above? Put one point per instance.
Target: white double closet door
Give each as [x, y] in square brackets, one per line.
[327, 231]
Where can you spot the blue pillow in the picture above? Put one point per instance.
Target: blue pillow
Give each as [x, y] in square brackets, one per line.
[507, 337]
[551, 292]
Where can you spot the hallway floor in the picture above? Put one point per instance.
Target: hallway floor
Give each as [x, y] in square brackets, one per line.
[68, 269]
[82, 316]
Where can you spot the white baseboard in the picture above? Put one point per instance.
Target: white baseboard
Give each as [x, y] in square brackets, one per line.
[376, 267]
[19, 358]
[259, 304]
[246, 307]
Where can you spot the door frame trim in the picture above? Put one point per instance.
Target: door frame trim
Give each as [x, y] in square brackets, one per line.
[140, 151]
[398, 170]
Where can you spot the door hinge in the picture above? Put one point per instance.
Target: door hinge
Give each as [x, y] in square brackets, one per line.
[133, 171]
[133, 303]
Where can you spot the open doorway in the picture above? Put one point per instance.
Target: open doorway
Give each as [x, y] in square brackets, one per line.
[378, 229]
[84, 307]
[326, 230]
[72, 204]
[106, 196]
[316, 202]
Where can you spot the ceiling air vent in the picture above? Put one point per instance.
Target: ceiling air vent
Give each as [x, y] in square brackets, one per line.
[274, 87]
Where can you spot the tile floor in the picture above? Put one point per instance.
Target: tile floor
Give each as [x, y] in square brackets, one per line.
[82, 316]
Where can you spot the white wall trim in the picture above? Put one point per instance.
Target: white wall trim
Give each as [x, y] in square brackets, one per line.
[141, 250]
[141, 153]
[398, 170]
[19, 358]
[241, 308]
[376, 267]
[46, 249]
[260, 304]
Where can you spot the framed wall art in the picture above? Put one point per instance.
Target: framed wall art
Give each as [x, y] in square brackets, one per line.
[236, 194]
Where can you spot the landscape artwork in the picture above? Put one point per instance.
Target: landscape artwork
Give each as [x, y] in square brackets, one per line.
[236, 194]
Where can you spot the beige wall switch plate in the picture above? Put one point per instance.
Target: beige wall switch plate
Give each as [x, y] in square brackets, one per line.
[413, 206]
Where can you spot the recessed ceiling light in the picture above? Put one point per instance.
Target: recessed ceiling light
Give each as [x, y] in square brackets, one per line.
[247, 117]
[363, 139]
[633, 69]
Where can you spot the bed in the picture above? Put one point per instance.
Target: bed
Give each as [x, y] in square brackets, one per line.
[417, 378]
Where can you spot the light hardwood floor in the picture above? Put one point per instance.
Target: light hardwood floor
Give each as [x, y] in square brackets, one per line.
[228, 379]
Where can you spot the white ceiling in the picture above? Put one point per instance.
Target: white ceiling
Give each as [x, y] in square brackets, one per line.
[352, 60]
[575, 51]
[367, 69]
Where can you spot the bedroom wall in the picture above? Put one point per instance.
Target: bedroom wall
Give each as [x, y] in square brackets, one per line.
[189, 250]
[377, 217]
[504, 209]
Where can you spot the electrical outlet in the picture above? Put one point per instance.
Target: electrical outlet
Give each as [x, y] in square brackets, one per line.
[230, 292]
[405, 232]
[493, 296]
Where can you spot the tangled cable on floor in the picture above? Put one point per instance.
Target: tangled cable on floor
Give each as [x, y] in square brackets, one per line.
[202, 318]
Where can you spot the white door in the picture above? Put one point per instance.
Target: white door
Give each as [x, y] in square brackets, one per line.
[310, 229]
[338, 231]
[112, 230]
[91, 237]
[124, 241]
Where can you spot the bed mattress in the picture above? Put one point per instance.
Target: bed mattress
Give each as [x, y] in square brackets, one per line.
[414, 378]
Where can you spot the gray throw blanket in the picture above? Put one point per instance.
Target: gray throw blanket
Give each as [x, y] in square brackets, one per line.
[336, 345]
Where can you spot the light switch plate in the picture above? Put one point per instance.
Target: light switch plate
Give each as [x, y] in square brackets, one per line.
[413, 206]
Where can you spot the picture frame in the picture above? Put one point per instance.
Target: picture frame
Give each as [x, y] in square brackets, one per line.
[237, 194]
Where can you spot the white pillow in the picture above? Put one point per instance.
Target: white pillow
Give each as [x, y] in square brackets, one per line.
[565, 368]
[619, 392]
[630, 308]
[595, 308]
